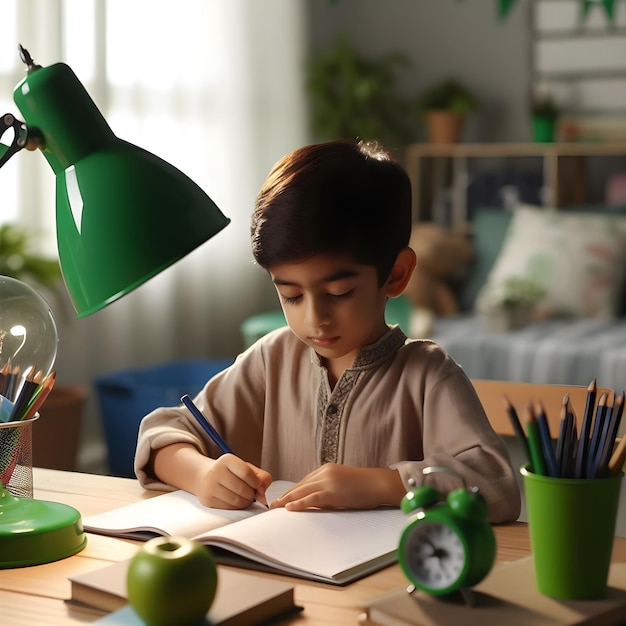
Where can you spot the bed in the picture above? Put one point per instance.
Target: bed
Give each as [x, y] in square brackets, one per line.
[581, 255]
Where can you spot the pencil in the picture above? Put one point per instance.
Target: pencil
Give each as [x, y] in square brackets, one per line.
[602, 440]
[24, 395]
[585, 431]
[618, 458]
[517, 426]
[563, 439]
[537, 460]
[573, 433]
[3, 379]
[607, 446]
[11, 383]
[564, 443]
[39, 397]
[206, 425]
[546, 442]
[598, 426]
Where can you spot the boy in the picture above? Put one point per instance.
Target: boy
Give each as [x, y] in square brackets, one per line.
[338, 401]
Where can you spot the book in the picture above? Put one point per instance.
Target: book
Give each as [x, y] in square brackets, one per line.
[332, 546]
[507, 596]
[242, 599]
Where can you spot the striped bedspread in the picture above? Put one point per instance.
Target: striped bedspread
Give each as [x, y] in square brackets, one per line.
[564, 351]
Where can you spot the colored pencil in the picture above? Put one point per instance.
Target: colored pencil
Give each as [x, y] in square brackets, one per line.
[546, 442]
[537, 461]
[598, 426]
[565, 444]
[3, 379]
[562, 443]
[608, 444]
[573, 433]
[12, 380]
[517, 426]
[602, 441]
[618, 458]
[27, 389]
[42, 392]
[585, 431]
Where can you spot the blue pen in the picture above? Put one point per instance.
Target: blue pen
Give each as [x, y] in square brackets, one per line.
[204, 422]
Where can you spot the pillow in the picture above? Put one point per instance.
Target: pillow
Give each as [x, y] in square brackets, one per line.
[489, 227]
[579, 258]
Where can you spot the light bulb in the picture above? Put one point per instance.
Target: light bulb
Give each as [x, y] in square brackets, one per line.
[28, 336]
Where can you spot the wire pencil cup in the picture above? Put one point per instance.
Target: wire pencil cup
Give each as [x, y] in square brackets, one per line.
[16, 457]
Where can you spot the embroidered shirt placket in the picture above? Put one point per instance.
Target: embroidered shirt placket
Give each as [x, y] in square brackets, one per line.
[331, 419]
[331, 405]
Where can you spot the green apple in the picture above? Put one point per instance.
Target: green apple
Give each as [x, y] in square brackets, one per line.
[172, 581]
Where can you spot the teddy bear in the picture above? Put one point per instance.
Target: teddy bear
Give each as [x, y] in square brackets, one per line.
[443, 258]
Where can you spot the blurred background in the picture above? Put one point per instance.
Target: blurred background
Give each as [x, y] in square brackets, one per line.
[222, 89]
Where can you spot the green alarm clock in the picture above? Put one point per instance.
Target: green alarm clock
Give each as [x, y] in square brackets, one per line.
[447, 545]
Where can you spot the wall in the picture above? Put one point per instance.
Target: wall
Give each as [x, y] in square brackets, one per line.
[444, 38]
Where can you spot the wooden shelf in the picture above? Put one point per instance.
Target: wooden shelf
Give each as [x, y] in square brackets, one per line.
[435, 167]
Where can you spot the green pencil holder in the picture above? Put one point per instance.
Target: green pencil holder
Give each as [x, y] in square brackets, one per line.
[572, 527]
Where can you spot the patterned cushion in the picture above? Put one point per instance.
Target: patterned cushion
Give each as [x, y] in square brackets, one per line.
[578, 257]
[490, 226]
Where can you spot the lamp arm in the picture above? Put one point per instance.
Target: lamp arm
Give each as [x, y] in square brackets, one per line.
[23, 137]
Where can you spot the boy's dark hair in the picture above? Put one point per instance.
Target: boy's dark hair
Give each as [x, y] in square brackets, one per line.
[341, 197]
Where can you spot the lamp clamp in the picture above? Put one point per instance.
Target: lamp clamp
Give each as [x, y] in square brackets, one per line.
[23, 137]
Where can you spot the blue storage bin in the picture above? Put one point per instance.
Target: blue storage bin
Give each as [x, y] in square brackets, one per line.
[126, 396]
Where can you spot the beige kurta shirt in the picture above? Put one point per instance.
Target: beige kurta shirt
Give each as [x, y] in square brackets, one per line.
[404, 404]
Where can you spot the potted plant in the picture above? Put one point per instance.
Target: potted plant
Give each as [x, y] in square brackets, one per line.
[545, 111]
[61, 413]
[509, 305]
[445, 106]
[17, 260]
[354, 96]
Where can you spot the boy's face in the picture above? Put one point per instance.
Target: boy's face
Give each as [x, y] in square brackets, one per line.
[332, 304]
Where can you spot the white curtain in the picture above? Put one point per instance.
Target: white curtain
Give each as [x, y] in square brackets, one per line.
[212, 86]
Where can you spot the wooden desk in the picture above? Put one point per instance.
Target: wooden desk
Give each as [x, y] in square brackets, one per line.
[34, 595]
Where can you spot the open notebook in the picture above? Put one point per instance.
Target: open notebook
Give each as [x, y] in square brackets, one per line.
[330, 546]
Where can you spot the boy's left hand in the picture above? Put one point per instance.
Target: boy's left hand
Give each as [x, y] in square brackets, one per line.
[333, 486]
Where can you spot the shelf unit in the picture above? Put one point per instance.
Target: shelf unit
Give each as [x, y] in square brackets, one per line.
[433, 168]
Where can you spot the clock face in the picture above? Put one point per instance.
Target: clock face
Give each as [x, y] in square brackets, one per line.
[434, 555]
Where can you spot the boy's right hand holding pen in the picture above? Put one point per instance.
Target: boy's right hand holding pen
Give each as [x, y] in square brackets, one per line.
[227, 482]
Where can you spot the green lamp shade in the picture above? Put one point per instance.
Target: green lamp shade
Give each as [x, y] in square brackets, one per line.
[123, 214]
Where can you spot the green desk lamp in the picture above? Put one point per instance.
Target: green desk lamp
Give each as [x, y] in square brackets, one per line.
[123, 215]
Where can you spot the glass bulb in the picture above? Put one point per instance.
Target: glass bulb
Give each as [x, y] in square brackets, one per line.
[28, 336]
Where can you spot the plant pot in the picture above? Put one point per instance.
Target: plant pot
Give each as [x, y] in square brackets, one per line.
[544, 128]
[56, 434]
[444, 127]
[502, 320]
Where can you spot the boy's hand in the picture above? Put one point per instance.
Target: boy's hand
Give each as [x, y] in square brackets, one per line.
[231, 483]
[333, 486]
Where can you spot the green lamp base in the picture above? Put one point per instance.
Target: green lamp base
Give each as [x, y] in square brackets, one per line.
[33, 532]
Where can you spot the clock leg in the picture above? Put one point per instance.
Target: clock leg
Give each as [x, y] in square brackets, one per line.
[468, 596]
